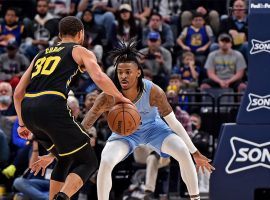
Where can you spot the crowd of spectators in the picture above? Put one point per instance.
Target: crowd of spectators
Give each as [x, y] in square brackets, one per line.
[186, 45]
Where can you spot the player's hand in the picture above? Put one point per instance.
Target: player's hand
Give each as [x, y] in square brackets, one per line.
[202, 162]
[41, 164]
[23, 132]
[122, 99]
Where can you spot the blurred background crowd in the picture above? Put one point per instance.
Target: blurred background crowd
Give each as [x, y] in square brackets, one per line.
[195, 50]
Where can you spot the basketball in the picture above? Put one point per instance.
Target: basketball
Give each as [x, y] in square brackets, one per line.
[124, 119]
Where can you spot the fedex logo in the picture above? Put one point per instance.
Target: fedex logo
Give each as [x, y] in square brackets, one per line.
[258, 102]
[259, 5]
[248, 155]
[260, 46]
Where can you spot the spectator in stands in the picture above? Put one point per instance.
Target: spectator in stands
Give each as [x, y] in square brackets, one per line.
[103, 12]
[6, 99]
[125, 27]
[188, 71]
[30, 186]
[175, 94]
[7, 110]
[4, 149]
[145, 155]
[141, 10]
[225, 66]
[170, 10]
[11, 29]
[12, 64]
[237, 26]
[156, 24]
[44, 30]
[148, 74]
[62, 8]
[89, 100]
[207, 8]
[204, 142]
[157, 59]
[95, 35]
[196, 38]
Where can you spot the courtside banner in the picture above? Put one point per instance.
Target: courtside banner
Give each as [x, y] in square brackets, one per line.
[255, 107]
[242, 162]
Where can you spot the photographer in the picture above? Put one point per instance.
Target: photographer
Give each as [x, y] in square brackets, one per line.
[157, 59]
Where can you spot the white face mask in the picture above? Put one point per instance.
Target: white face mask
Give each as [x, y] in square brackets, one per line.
[5, 100]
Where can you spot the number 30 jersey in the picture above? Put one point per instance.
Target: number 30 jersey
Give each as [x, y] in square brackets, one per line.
[53, 70]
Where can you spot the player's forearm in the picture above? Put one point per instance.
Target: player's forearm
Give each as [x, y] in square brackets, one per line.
[106, 85]
[18, 97]
[177, 127]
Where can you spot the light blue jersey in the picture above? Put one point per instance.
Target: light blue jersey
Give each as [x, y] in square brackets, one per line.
[152, 131]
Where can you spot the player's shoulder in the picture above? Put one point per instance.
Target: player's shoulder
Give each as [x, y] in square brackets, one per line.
[156, 90]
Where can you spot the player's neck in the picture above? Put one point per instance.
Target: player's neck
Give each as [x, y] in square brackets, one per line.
[132, 94]
[68, 40]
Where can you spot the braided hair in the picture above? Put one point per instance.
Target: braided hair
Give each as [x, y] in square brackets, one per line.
[127, 53]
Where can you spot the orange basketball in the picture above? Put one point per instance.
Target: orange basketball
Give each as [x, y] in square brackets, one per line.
[124, 119]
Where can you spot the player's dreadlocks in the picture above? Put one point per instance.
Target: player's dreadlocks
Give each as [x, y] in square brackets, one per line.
[125, 53]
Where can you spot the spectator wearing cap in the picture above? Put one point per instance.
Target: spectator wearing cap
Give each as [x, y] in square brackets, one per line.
[12, 64]
[225, 66]
[157, 59]
[156, 24]
[125, 27]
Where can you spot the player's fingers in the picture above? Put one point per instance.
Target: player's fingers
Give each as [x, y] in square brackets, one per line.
[197, 168]
[37, 170]
[212, 168]
[202, 168]
[35, 164]
[43, 171]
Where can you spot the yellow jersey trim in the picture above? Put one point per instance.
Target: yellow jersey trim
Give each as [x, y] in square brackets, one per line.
[50, 148]
[74, 151]
[44, 93]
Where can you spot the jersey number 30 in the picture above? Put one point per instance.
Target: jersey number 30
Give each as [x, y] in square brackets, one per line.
[46, 65]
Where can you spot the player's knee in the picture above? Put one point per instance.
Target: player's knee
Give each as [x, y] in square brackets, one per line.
[86, 163]
[152, 158]
[107, 163]
[182, 151]
[61, 169]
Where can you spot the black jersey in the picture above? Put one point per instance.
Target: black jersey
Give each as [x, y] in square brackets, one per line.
[53, 70]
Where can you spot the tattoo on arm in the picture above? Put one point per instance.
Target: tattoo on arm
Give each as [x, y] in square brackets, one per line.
[158, 98]
[102, 104]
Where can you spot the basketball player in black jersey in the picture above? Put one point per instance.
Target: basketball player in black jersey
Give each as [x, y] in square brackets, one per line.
[40, 101]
